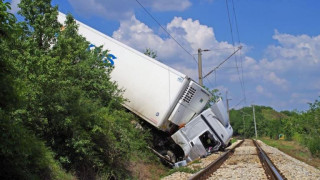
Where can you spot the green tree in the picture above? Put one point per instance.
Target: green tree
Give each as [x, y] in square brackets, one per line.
[58, 105]
[98, 130]
[7, 27]
[298, 126]
[215, 95]
[313, 128]
[70, 101]
[23, 155]
[242, 122]
[41, 18]
[151, 53]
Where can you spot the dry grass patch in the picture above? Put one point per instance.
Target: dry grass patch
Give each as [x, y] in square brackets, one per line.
[146, 170]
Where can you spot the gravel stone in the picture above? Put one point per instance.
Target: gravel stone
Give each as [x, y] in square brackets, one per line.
[202, 163]
[178, 175]
[290, 167]
[245, 164]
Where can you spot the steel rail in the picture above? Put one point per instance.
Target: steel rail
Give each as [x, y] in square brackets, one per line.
[212, 167]
[271, 170]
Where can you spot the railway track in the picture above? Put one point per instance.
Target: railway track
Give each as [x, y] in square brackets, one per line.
[245, 161]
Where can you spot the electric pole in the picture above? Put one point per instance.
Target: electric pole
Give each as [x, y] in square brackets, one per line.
[243, 124]
[227, 101]
[200, 67]
[254, 120]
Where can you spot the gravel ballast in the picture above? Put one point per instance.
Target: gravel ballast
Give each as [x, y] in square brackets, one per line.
[245, 164]
[290, 167]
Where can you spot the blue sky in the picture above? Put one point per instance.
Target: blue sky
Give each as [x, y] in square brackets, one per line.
[280, 58]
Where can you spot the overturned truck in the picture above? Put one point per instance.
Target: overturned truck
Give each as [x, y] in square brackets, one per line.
[168, 100]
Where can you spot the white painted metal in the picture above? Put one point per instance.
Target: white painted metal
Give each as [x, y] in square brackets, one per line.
[220, 111]
[192, 102]
[188, 137]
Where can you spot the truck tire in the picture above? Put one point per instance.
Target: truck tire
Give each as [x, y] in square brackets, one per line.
[169, 155]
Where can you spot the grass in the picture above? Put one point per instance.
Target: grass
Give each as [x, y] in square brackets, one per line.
[147, 170]
[184, 169]
[293, 149]
[233, 140]
[196, 161]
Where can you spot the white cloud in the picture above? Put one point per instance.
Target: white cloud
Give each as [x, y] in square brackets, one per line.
[316, 85]
[189, 33]
[263, 91]
[120, 9]
[289, 71]
[300, 51]
[273, 78]
[124, 9]
[193, 32]
[138, 35]
[296, 95]
[293, 63]
[262, 71]
[259, 89]
[14, 6]
[300, 98]
[170, 5]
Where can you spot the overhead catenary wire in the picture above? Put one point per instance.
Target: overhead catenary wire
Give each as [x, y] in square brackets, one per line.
[238, 103]
[236, 61]
[221, 63]
[240, 54]
[209, 82]
[236, 21]
[166, 30]
[218, 49]
[231, 31]
[215, 78]
[230, 22]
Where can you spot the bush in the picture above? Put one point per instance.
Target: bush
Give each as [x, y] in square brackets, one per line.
[314, 146]
[297, 137]
[23, 156]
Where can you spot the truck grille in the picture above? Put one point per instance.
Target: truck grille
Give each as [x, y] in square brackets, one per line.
[188, 94]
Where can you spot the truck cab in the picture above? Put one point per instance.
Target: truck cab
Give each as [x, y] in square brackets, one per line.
[207, 132]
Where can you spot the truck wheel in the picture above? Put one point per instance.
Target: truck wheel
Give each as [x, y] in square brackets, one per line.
[229, 144]
[169, 155]
[222, 148]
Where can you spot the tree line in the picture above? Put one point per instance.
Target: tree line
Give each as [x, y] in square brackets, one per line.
[61, 116]
[303, 127]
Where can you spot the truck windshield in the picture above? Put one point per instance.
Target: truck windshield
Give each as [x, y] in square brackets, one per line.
[208, 141]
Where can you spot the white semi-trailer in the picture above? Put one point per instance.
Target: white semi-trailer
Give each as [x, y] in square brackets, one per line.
[165, 98]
